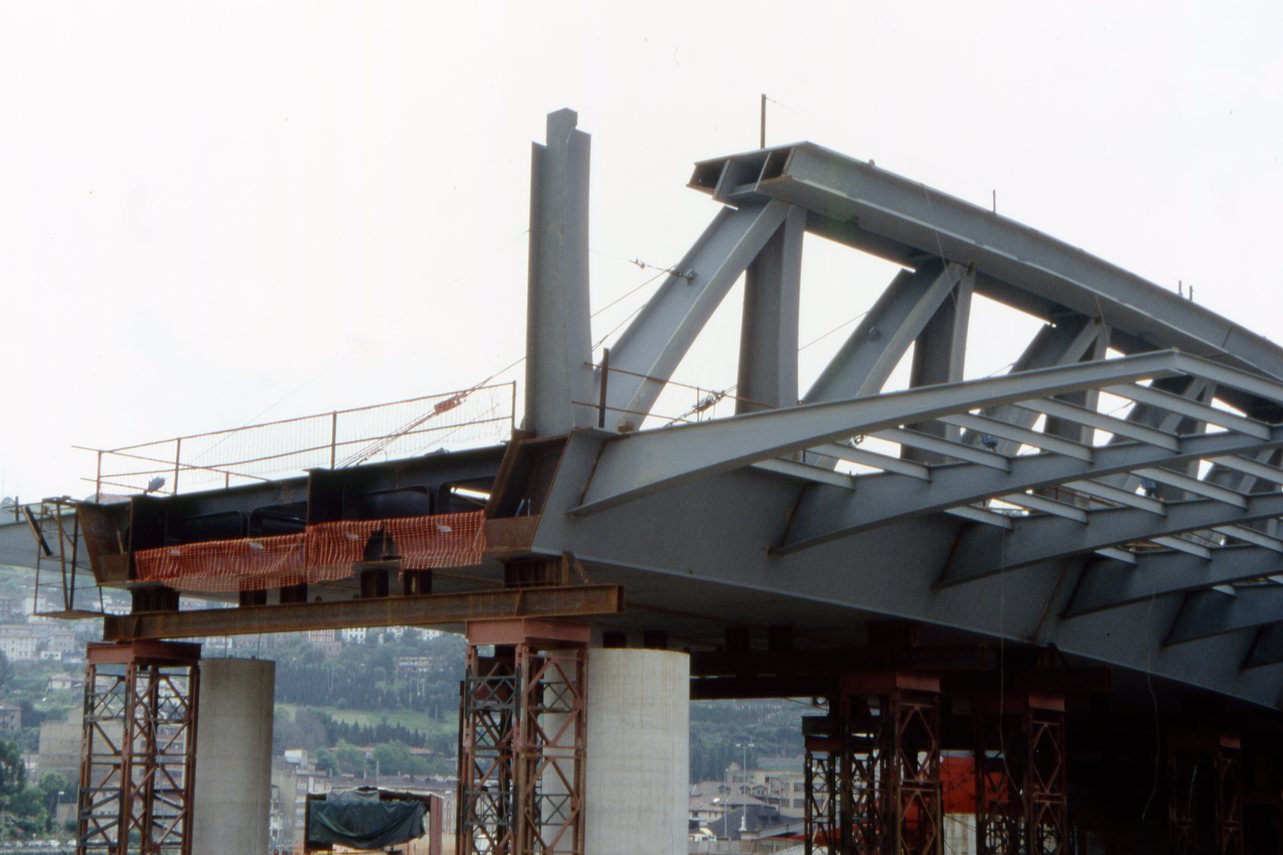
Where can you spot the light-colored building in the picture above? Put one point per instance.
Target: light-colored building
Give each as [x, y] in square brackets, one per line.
[60, 748]
[19, 644]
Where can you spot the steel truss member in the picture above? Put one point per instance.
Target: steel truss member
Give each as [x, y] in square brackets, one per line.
[1022, 803]
[889, 767]
[138, 752]
[523, 729]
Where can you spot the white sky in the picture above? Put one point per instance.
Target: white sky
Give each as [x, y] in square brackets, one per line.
[212, 214]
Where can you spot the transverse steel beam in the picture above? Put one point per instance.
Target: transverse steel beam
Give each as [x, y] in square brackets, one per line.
[422, 610]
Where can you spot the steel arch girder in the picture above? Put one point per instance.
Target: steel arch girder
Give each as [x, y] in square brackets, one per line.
[909, 218]
[634, 465]
[827, 513]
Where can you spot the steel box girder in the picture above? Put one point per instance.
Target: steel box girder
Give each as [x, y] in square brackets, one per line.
[885, 214]
[717, 530]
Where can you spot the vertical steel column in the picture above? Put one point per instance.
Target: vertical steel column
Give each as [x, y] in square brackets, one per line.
[522, 732]
[138, 751]
[889, 780]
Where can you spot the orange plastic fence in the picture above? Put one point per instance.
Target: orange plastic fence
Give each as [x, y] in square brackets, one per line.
[324, 552]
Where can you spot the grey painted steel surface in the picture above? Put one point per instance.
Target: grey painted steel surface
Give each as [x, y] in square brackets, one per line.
[232, 797]
[1099, 531]
[653, 344]
[558, 337]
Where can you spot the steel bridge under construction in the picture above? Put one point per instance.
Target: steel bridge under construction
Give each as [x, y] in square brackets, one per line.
[1068, 572]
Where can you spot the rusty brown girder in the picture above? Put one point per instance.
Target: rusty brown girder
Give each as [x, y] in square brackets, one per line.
[419, 610]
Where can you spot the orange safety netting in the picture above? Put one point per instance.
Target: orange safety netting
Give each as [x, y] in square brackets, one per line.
[339, 544]
[249, 564]
[324, 552]
[442, 540]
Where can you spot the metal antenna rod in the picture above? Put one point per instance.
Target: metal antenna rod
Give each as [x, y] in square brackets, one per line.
[762, 136]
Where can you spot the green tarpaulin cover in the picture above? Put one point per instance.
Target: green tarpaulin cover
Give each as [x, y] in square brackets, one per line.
[362, 821]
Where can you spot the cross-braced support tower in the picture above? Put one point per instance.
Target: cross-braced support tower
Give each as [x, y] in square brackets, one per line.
[523, 731]
[823, 749]
[1022, 802]
[138, 750]
[889, 768]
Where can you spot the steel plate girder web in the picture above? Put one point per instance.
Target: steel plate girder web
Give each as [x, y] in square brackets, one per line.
[641, 463]
[982, 551]
[651, 347]
[884, 335]
[1107, 584]
[914, 215]
[1208, 613]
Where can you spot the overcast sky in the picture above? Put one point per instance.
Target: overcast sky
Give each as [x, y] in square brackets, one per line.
[212, 214]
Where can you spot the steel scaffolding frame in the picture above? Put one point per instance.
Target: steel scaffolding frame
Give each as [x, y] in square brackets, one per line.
[523, 734]
[889, 787]
[1022, 801]
[1205, 780]
[138, 752]
[820, 817]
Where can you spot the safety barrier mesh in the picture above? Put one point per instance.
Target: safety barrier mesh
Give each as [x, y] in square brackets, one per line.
[325, 552]
[470, 418]
[442, 540]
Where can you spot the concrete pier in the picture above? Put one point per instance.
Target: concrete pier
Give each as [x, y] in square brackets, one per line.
[637, 775]
[233, 757]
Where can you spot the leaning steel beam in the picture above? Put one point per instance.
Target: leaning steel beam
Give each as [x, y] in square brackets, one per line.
[980, 552]
[650, 349]
[637, 464]
[879, 500]
[894, 212]
[884, 335]
[1208, 613]
[1108, 584]
[423, 610]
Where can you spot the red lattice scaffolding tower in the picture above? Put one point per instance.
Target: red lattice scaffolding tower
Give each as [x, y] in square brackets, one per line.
[138, 751]
[1022, 803]
[522, 731]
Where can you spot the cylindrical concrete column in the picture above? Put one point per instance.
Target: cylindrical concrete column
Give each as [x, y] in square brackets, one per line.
[233, 790]
[638, 764]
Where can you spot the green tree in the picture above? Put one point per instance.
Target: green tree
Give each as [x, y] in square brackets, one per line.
[13, 775]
